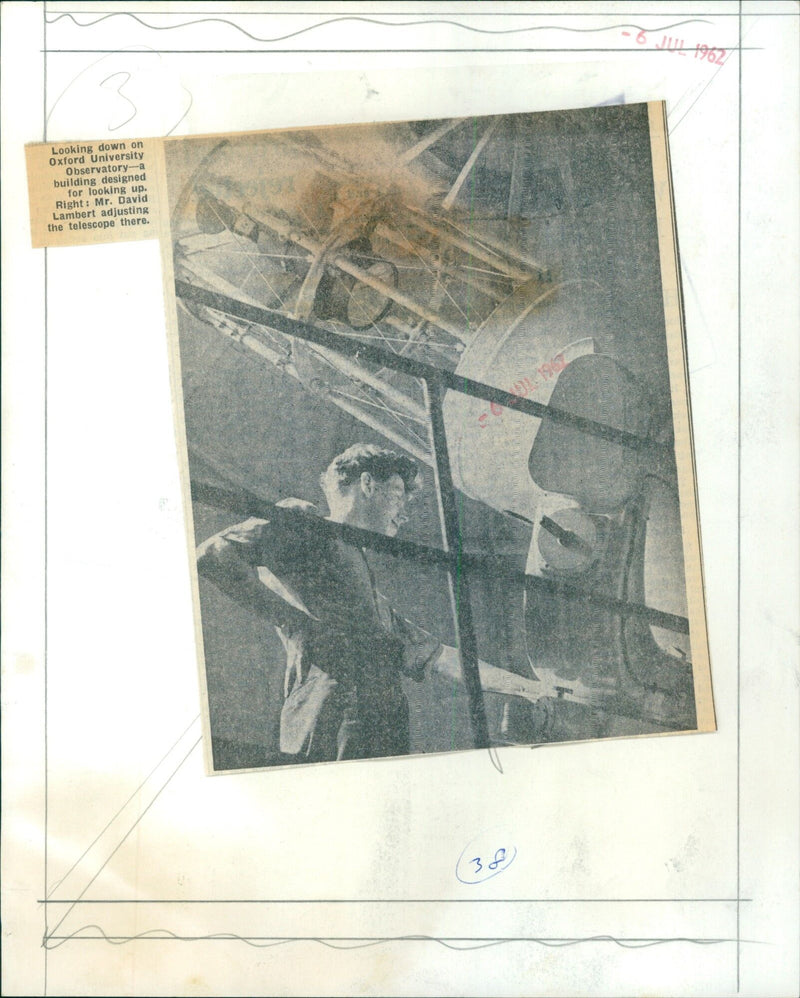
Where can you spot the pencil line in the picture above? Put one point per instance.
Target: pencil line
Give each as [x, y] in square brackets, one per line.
[377, 51]
[111, 820]
[739, 527]
[708, 83]
[125, 836]
[427, 22]
[358, 942]
[317, 901]
[473, 13]
[45, 608]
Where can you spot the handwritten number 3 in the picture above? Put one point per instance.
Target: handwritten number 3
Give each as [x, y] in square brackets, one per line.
[499, 857]
[126, 78]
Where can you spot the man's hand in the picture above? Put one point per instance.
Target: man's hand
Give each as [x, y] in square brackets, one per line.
[548, 684]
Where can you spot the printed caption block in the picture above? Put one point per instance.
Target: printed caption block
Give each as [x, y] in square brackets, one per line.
[92, 192]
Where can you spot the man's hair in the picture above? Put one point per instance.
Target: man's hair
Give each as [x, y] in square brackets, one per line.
[348, 467]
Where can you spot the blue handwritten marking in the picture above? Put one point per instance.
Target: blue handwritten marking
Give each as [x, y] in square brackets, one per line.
[485, 857]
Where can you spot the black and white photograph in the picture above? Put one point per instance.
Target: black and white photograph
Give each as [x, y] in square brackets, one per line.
[432, 384]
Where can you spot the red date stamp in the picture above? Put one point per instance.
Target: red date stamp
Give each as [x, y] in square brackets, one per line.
[710, 53]
[526, 386]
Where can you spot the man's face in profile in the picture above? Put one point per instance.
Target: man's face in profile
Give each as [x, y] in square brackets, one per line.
[387, 505]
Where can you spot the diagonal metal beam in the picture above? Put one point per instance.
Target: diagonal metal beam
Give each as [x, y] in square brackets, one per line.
[431, 138]
[351, 347]
[245, 503]
[467, 168]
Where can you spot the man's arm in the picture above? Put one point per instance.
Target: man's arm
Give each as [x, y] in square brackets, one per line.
[495, 680]
[230, 560]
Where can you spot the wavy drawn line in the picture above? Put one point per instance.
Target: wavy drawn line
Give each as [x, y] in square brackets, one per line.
[125, 836]
[355, 942]
[371, 20]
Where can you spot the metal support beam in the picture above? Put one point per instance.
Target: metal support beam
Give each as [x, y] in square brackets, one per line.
[351, 347]
[470, 247]
[459, 583]
[428, 140]
[245, 502]
[467, 167]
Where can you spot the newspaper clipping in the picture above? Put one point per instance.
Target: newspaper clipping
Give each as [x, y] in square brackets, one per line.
[430, 388]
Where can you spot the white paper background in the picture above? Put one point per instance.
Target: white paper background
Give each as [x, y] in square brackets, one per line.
[702, 829]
